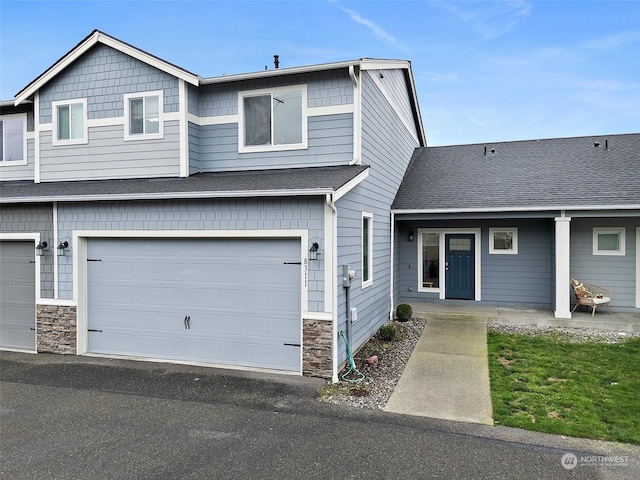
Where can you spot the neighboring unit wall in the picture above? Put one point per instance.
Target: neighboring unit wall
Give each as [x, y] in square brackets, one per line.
[103, 76]
[33, 218]
[613, 272]
[387, 146]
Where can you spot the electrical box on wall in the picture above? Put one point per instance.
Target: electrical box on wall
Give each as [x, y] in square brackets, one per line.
[347, 275]
[353, 313]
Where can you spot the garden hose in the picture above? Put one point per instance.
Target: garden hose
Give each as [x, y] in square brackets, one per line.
[352, 364]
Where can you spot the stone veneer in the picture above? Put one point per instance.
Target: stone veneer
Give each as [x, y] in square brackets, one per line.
[317, 355]
[56, 329]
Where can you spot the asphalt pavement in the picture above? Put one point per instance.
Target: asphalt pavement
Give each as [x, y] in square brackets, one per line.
[68, 417]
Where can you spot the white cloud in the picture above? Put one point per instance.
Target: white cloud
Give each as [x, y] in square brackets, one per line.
[612, 41]
[488, 19]
[376, 29]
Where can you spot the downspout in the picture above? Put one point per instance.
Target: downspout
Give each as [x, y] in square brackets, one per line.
[357, 116]
[334, 291]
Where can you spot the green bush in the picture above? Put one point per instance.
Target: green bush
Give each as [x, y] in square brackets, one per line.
[387, 333]
[404, 312]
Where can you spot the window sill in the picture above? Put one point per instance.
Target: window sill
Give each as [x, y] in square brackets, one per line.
[272, 148]
[13, 163]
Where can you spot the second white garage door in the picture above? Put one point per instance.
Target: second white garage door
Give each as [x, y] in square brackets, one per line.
[224, 301]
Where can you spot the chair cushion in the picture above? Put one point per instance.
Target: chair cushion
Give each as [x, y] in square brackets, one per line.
[600, 301]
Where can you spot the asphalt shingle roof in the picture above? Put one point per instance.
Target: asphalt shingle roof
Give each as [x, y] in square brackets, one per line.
[292, 181]
[535, 174]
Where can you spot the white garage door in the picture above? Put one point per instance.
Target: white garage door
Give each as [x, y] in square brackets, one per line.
[223, 301]
[17, 295]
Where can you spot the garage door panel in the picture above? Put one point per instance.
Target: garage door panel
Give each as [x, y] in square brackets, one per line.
[17, 295]
[242, 300]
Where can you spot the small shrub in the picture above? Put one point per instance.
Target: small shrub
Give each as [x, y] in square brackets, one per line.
[404, 312]
[387, 333]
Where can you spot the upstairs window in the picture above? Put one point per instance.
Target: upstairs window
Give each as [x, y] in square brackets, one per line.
[70, 122]
[273, 119]
[12, 138]
[143, 115]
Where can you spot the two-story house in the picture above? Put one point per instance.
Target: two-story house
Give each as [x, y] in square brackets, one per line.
[239, 220]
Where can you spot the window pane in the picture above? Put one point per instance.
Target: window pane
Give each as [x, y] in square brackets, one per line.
[257, 120]
[287, 118]
[135, 116]
[63, 122]
[77, 121]
[460, 244]
[609, 241]
[502, 240]
[430, 260]
[365, 249]
[12, 139]
[152, 115]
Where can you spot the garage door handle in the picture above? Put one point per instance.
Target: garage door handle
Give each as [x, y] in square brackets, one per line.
[291, 344]
[187, 322]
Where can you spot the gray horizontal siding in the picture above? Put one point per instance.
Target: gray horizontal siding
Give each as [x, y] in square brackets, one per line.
[329, 88]
[102, 76]
[522, 279]
[107, 155]
[227, 214]
[330, 144]
[36, 218]
[616, 273]
[19, 172]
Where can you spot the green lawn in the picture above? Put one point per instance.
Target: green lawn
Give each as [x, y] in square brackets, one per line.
[544, 383]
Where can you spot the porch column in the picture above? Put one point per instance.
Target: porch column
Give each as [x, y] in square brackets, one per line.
[563, 274]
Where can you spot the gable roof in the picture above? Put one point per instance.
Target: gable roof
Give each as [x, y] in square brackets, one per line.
[582, 173]
[336, 180]
[92, 39]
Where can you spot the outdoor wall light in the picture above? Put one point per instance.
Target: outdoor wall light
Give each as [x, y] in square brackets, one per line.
[313, 251]
[411, 235]
[40, 248]
[62, 248]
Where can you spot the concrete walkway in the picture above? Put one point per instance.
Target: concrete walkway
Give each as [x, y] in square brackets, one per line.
[447, 375]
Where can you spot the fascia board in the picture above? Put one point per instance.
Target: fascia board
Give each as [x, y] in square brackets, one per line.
[516, 209]
[347, 187]
[83, 47]
[170, 196]
[379, 64]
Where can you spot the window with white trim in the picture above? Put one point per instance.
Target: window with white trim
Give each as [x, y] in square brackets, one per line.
[12, 138]
[143, 115]
[429, 259]
[70, 122]
[274, 119]
[367, 249]
[503, 241]
[609, 241]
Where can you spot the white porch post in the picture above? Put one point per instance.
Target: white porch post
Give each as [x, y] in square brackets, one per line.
[563, 275]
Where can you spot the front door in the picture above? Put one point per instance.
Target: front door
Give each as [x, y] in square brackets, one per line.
[460, 266]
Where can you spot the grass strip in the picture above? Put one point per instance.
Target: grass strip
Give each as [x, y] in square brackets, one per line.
[546, 384]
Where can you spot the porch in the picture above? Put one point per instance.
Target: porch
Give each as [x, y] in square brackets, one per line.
[618, 321]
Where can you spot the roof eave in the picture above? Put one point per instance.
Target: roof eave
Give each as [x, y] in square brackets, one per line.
[539, 208]
[92, 39]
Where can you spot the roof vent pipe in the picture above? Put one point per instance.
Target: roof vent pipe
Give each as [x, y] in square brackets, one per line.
[276, 61]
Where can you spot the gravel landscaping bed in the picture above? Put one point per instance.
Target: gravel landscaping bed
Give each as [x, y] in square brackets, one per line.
[382, 376]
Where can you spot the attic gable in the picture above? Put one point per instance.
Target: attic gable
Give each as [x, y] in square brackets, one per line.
[99, 37]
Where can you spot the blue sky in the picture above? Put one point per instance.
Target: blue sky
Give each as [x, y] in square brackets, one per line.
[485, 71]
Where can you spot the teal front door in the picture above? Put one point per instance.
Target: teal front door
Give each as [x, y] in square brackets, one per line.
[460, 266]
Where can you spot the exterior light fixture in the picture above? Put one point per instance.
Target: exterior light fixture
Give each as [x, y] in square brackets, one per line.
[40, 248]
[313, 251]
[62, 248]
[411, 235]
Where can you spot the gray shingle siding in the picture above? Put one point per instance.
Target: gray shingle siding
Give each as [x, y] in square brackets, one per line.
[102, 76]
